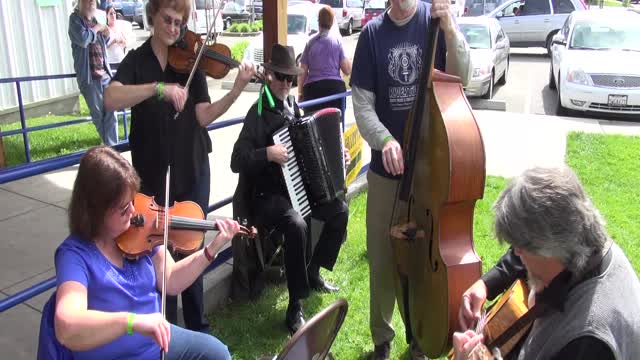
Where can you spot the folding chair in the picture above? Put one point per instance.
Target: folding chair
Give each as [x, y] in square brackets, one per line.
[48, 346]
[314, 339]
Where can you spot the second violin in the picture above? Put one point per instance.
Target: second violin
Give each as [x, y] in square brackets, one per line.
[215, 62]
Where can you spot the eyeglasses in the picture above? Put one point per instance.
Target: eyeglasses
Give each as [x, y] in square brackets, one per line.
[168, 20]
[283, 77]
[125, 209]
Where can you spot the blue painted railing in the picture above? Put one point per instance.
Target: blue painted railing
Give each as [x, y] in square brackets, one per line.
[42, 166]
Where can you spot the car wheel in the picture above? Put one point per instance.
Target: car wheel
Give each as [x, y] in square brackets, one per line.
[140, 25]
[548, 44]
[227, 24]
[489, 93]
[119, 16]
[561, 110]
[552, 79]
[350, 27]
[503, 79]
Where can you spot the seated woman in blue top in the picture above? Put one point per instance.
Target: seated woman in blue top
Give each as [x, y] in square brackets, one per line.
[108, 307]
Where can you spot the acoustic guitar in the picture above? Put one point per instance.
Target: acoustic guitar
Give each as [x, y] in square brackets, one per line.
[512, 305]
[502, 315]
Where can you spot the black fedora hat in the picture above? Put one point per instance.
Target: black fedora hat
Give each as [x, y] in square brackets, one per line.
[282, 60]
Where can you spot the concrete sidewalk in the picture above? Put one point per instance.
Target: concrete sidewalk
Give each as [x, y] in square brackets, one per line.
[33, 211]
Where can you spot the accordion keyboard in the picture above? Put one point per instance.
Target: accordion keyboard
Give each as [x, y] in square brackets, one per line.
[292, 175]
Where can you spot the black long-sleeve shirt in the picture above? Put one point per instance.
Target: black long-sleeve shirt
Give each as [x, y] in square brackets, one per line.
[510, 268]
[249, 157]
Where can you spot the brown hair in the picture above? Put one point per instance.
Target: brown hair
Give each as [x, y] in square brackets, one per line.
[103, 179]
[181, 6]
[325, 18]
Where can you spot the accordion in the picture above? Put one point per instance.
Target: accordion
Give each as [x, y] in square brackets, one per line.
[314, 173]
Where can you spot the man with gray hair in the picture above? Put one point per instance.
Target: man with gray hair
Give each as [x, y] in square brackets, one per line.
[559, 243]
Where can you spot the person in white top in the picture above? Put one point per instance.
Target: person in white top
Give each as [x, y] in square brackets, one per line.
[117, 42]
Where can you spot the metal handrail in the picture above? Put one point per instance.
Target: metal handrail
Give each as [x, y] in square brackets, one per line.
[24, 130]
[42, 166]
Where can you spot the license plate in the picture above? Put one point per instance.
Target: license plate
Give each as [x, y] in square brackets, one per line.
[617, 100]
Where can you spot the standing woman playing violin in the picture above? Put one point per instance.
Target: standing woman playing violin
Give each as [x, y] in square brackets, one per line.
[108, 307]
[154, 91]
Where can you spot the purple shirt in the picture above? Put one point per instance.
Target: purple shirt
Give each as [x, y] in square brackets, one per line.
[111, 289]
[323, 55]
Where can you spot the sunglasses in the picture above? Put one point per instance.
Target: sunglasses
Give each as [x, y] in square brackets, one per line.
[168, 20]
[283, 77]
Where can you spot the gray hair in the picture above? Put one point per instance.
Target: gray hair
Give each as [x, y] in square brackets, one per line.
[546, 212]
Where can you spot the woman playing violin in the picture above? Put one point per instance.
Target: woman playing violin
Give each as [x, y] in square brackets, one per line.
[108, 307]
[155, 92]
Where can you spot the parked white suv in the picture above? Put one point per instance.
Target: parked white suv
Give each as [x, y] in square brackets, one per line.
[348, 13]
[532, 23]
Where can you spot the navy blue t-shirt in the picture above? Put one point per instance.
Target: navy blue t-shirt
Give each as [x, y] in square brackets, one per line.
[387, 62]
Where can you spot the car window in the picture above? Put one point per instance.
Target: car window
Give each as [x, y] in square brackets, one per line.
[535, 7]
[477, 35]
[562, 6]
[565, 28]
[377, 4]
[513, 9]
[606, 34]
[296, 24]
[354, 3]
[332, 3]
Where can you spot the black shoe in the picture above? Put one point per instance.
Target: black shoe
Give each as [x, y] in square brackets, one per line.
[295, 317]
[382, 351]
[320, 285]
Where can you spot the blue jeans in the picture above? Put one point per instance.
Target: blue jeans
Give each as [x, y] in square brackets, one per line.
[190, 345]
[104, 121]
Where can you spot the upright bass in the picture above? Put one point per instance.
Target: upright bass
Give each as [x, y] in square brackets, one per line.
[432, 233]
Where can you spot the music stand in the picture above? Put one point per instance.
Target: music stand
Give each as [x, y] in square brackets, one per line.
[314, 339]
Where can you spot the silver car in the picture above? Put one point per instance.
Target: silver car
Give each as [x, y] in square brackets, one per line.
[489, 54]
[534, 22]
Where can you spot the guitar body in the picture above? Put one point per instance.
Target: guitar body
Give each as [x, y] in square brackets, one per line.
[512, 305]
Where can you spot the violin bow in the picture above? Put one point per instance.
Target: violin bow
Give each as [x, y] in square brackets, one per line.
[200, 52]
[166, 246]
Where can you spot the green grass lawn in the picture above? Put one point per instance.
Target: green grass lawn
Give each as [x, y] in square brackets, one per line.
[52, 142]
[607, 165]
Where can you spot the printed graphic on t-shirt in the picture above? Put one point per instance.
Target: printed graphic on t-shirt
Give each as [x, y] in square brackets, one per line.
[405, 63]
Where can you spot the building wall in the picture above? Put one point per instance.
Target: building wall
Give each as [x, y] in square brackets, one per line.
[34, 41]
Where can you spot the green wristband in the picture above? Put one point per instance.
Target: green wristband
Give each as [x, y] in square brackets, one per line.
[130, 323]
[160, 90]
[387, 139]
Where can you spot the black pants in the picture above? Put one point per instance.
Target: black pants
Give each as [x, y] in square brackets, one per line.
[192, 297]
[322, 88]
[275, 211]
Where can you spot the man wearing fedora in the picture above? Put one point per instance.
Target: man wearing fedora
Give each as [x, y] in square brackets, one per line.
[258, 162]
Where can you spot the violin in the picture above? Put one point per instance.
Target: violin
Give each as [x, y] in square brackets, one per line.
[216, 62]
[186, 227]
